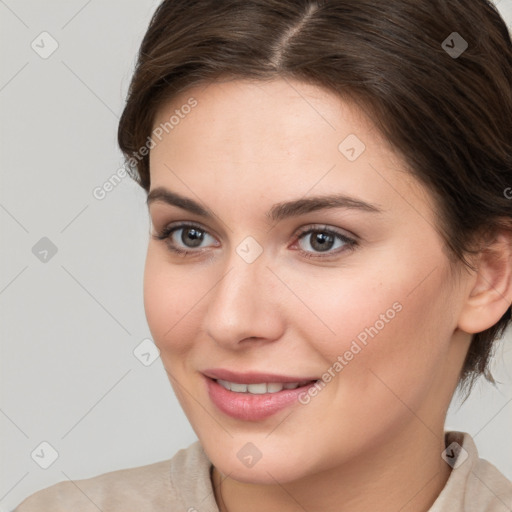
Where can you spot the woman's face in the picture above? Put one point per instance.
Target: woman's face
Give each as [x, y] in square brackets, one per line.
[357, 294]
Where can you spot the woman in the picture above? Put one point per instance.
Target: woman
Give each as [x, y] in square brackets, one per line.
[330, 252]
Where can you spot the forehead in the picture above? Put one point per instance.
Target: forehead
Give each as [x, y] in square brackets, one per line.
[239, 108]
[279, 138]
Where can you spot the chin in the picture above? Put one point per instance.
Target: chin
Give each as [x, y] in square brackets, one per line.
[261, 474]
[276, 467]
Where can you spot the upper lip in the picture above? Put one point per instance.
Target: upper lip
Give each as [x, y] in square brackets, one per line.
[252, 377]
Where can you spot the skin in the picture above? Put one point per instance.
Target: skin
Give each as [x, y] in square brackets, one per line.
[373, 436]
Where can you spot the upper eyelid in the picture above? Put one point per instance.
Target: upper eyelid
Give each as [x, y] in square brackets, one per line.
[304, 229]
[323, 227]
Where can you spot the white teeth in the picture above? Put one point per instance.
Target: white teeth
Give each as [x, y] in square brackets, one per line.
[239, 388]
[256, 389]
[274, 387]
[259, 389]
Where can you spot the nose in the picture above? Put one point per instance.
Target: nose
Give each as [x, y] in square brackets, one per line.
[245, 304]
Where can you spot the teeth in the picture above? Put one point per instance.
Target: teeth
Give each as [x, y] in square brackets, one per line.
[259, 389]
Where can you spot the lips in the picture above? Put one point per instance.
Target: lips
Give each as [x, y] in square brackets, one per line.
[255, 377]
[243, 403]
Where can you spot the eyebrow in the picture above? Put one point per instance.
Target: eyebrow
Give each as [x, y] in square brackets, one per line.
[278, 211]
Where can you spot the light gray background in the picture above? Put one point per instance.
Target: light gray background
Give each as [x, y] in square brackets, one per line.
[69, 326]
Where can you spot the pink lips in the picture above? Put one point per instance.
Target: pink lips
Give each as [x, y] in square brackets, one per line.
[252, 377]
[247, 406]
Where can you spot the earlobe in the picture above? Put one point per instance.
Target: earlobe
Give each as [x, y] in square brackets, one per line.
[490, 290]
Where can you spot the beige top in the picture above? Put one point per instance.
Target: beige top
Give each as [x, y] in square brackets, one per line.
[183, 484]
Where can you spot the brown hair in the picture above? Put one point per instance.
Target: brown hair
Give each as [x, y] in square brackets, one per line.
[448, 115]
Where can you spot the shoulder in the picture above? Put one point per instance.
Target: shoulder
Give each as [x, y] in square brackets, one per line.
[154, 487]
[489, 488]
[474, 485]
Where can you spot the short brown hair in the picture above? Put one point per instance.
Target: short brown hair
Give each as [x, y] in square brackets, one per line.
[448, 114]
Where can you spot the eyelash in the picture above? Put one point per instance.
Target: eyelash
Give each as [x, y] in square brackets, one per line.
[350, 243]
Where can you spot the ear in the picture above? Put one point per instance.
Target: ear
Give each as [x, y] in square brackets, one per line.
[489, 292]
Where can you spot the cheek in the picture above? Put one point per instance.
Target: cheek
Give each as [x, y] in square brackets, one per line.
[400, 313]
[390, 342]
[169, 297]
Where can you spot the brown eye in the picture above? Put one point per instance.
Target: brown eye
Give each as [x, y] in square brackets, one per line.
[315, 241]
[191, 234]
[191, 237]
[320, 241]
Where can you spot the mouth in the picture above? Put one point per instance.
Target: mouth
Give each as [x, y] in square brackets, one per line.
[255, 401]
[262, 387]
[251, 377]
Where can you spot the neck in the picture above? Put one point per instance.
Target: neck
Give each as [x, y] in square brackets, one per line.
[406, 474]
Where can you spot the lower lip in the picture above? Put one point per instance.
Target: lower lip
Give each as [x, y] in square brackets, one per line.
[249, 407]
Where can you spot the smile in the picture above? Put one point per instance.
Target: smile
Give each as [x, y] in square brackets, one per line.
[260, 388]
[254, 401]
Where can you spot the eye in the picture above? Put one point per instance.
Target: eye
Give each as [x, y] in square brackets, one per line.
[186, 239]
[322, 240]
[181, 237]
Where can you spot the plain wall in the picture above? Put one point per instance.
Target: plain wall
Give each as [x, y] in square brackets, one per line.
[69, 325]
